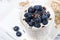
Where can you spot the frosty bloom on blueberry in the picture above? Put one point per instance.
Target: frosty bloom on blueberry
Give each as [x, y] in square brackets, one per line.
[36, 15]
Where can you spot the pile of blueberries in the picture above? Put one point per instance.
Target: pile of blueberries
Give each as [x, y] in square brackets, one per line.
[18, 33]
[36, 15]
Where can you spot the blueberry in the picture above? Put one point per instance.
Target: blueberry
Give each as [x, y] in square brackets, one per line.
[44, 16]
[48, 14]
[27, 20]
[45, 22]
[27, 15]
[31, 23]
[16, 28]
[31, 10]
[37, 25]
[38, 7]
[18, 33]
[38, 20]
[41, 20]
[38, 12]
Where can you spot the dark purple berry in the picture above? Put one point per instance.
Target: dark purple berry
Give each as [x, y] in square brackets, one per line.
[18, 34]
[38, 7]
[31, 10]
[16, 28]
[27, 15]
[44, 16]
[27, 20]
[48, 14]
[38, 20]
[37, 25]
[45, 22]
